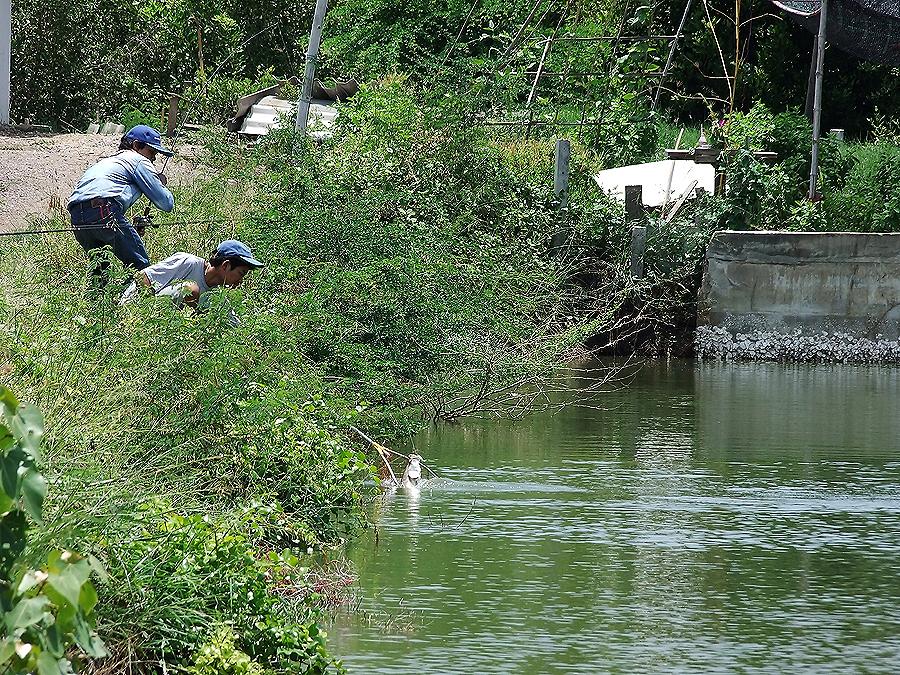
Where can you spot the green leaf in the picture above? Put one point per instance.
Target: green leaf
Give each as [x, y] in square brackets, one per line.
[7, 649]
[26, 613]
[88, 598]
[28, 427]
[54, 642]
[88, 641]
[24, 422]
[9, 402]
[6, 502]
[65, 613]
[34, 489]
[69, 581]
[9, 471]
[49, 665]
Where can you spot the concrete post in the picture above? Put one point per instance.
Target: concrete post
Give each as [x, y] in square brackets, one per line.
[638, 246]
[561, 186]
[309, 75]
[561, 171]
[699, 194]
[634, 211]
[5, 58]
[634, 202]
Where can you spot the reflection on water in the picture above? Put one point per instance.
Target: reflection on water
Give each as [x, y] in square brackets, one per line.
[710, 518]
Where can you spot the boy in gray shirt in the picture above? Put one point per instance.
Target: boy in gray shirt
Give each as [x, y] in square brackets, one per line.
[185, 277]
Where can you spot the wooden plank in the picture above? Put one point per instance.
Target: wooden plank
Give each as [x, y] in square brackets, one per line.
[172, 115]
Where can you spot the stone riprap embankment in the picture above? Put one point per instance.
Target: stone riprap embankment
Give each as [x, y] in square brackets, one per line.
[797, 296]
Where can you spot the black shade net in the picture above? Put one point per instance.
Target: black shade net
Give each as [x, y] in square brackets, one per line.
[869, 29]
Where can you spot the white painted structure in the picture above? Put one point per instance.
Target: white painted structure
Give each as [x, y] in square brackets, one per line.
[5, 57]
[271, 113]
[662, 182]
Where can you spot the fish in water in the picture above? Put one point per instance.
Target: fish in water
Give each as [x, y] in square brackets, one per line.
[412, 474]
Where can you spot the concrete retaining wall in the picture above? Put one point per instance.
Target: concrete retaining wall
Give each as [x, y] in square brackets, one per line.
[801, 296]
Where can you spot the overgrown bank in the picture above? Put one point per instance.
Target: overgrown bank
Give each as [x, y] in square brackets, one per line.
[208, 467]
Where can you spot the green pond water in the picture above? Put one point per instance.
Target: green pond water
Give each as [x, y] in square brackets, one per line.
[703, 518]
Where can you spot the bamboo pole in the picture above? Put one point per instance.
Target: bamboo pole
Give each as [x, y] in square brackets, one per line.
[384, 451]
[672, 48]
[817, 101]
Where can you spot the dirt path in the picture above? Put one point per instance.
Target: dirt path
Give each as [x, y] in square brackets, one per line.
[38, 172]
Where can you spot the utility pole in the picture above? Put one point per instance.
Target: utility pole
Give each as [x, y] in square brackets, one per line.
[5, 57]
[817, 99]
[309, 75]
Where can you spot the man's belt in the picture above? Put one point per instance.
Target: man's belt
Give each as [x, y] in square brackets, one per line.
[95, 203]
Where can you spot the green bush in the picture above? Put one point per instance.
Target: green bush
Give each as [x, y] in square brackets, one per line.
[866, 199]
[183, 574]
[220, 656]
[212, 100]
[44, 612]
[79, 62]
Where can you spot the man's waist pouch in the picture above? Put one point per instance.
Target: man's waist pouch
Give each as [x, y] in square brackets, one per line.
[96, 211]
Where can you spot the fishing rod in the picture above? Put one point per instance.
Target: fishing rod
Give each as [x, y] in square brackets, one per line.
[105, 226]
[100, 225]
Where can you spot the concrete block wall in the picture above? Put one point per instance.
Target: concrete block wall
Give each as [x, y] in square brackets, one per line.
[801, 296]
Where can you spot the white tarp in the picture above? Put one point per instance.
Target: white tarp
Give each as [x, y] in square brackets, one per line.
[270, 112]
[655, 177]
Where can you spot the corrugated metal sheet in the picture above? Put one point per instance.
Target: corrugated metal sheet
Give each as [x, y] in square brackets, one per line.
[271, 113]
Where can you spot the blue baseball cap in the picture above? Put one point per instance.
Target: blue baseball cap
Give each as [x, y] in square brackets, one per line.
[150, 136]
[231, 248]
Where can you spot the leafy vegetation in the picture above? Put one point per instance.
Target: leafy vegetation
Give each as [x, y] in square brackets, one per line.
[129, 56]
[45, 611]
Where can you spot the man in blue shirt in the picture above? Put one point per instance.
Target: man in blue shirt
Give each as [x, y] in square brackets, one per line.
[109, 188]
